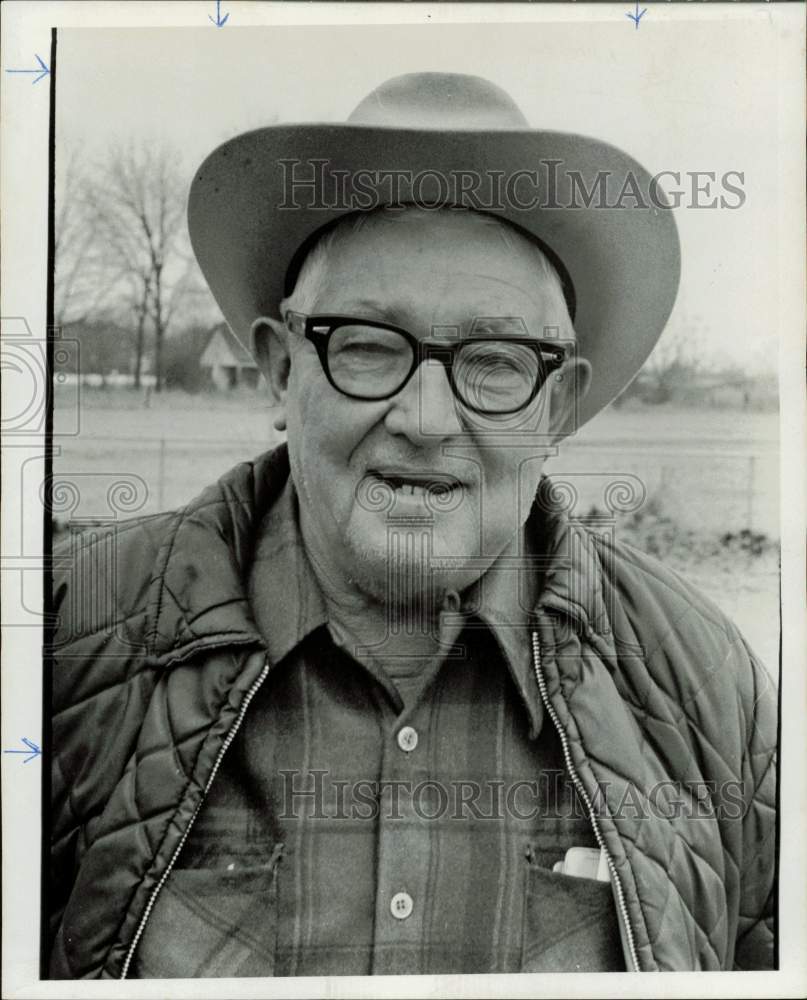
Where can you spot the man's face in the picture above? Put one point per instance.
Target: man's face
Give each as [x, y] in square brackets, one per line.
[360, 466]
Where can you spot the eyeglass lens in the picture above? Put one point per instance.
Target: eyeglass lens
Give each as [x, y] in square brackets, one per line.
[494, 376]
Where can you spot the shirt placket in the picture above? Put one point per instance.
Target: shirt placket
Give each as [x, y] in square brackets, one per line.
[406, 801]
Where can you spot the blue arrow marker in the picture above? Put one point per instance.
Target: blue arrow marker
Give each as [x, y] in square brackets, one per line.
[218, 20]
[42, 71]
[637, 16]
[32, 750]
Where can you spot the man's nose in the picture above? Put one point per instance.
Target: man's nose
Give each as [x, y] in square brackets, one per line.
[425, 409]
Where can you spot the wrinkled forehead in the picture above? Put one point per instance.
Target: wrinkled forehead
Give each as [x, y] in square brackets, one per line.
[393, 253]
[415, 228]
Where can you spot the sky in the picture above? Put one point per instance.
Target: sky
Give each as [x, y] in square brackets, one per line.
[695, 96]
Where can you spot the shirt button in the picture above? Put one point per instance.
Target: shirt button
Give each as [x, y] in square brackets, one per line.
[407, 738]
[401, 905]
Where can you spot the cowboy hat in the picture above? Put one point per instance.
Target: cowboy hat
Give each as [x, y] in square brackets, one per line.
[441, 138]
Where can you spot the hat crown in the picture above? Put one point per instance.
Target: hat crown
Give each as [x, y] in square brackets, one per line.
[439, 100]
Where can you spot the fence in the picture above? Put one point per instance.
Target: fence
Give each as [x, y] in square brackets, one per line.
[714, 486]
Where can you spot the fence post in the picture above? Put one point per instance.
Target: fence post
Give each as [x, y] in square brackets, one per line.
[752, 460]
[161, 476]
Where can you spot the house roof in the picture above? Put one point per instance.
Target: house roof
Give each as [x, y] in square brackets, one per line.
[241, 355]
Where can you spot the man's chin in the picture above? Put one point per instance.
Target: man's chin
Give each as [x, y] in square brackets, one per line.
[398, 561]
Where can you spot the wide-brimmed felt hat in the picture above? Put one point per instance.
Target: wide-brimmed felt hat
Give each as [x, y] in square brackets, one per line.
[442, 138]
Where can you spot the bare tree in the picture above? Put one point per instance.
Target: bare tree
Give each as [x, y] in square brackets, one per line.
[674, 364]
[122, 250]
[79, 288]
[138, 300]
[140, 222]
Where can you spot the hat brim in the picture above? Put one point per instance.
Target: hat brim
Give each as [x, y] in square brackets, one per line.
[621, 254]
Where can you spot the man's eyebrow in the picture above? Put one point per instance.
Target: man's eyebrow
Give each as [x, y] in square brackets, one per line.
[498, 324]
[360, 305]
[366, 307]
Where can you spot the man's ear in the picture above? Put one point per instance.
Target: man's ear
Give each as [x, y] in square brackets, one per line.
[270, 348]
[570, 383]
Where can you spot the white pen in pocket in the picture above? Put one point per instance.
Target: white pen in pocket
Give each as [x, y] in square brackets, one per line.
[584, 862]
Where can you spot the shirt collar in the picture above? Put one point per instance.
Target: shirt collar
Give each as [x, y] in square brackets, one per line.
[288, 604]
[284, 594]
[504, 598]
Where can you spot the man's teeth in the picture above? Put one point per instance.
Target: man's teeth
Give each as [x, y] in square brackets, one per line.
[418, 489]
[410, 488]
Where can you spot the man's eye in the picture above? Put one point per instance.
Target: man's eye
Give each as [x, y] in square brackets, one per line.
[365, 347]
[362, 345]
[499, 357]
[500, 361]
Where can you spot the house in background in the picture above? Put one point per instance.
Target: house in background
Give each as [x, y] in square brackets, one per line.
[734, 391]
[225, 363]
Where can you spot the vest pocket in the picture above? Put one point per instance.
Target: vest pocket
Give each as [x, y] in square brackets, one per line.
[570, 924]
[211, 923]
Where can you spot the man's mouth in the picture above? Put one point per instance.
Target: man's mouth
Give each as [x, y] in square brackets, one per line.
[436, 484]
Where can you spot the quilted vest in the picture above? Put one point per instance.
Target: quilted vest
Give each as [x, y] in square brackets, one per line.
[667, 719]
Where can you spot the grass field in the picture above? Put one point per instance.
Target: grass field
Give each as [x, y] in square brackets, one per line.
[710, 471]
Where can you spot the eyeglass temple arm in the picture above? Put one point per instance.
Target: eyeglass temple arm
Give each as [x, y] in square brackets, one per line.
[295, 321]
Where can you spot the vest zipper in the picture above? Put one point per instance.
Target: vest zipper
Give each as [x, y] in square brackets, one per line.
[224, 747]
[576, 780]
[581, 790]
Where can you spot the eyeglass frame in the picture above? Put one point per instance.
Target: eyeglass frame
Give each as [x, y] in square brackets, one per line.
[319, 328]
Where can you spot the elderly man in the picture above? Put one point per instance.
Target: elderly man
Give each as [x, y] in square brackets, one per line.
[373, 703]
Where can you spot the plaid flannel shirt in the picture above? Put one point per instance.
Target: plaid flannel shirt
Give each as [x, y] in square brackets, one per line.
[349, 833]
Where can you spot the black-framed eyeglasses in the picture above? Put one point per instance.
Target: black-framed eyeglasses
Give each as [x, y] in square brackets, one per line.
[369, 360]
